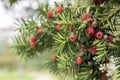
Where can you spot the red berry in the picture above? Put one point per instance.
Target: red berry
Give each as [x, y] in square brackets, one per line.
[93, 49]
[71, 29]
[58, 27]
[85, 17]
[54, 58]
[100, 35]
[90, 31]
[110, 38]
[59, 9]
[79, 60]
[33, 39]
[49, 14]
[104, 76]
[73, 37]
[32, 45]
[89, 20]
[40, 31]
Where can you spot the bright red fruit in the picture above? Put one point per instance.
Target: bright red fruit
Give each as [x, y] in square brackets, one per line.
[100, 35]
[104, 76]
[40, 31]
[79, 60]
[93, 49]
[90, 31]
[73, 37]
[32, 45]
[54, 58]
[110, 38]
[58, 27]
[33, 39]
[59, 9]
[49, 14]
[89, 20]
[85, 17]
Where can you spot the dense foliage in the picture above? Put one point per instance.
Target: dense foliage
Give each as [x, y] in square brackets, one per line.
[82, 36]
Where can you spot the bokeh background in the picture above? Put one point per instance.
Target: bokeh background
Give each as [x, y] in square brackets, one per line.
[12, 67]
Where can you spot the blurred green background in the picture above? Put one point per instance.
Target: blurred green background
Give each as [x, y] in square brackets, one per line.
[12, 67]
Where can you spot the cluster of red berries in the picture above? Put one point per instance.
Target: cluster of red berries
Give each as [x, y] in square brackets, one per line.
[59, 9]
[34, 39]
[92, 33]
[98, 35]
[86, 17]
[78, 59]
[73, 37]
